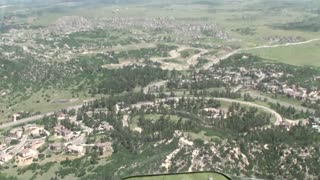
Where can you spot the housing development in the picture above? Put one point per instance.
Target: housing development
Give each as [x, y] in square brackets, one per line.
[159, 90]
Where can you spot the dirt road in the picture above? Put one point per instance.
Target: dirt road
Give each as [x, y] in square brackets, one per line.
[176, 54]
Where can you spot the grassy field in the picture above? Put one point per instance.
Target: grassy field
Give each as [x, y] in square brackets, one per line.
[187, 176]
[280, 98]
[42, 101]
[201, 135]
[305, 54]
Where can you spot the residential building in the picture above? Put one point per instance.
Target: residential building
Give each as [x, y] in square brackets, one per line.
[28, 153]
[80, 150]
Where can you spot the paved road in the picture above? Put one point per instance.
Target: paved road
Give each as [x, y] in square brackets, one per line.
[33, 118]
[279, 118]
[37, 117]
[282, 103]
[226, 56]
[18, 147]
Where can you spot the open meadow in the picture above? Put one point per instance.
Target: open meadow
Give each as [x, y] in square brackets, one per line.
[304, 54]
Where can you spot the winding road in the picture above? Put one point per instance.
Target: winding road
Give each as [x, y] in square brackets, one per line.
[175, 54]
[278, 117]
[282, 103]
[226, 56]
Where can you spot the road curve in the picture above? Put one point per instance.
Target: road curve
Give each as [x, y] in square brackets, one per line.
[279, 118]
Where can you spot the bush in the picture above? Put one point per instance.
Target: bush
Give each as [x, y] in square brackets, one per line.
[14, 142]
[41, 156]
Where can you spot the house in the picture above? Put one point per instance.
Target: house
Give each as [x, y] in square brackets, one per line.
[286, 125]
[247, 82]
[212, 112]
[105, 126]
[170, 100]
[60, 130]
[80, 150]
[63, 131]
[3, 147]
[56, 147]
[105, 148]
[35, 144]
[316, 127]
[5, 157]
[288, 91]
[30, 127]
[74, 121]
[61, 116]
[16, 133]
[39, 132]
[28, 153]
[15, 117]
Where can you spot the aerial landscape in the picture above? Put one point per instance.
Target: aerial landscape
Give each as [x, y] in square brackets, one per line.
[154, 90]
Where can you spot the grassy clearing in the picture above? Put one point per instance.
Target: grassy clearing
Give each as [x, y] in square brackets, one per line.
[280, 98]
[42, 101]
[176, 61]
[305, 54]
[201, 135]
[189, 52]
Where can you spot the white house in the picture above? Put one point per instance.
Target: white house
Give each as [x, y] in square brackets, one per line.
[28, 153]
[71, 148]
[5, 157]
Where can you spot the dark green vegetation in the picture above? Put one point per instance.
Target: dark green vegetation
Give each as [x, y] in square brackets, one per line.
[245, 31]
[290, 112]
[309, 24]
[84, 74]
[5, 177]
[80, 72]
[146, 53]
